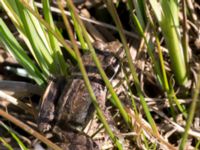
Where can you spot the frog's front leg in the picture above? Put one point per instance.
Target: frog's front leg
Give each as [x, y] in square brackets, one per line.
[70, 139]
[48, 104]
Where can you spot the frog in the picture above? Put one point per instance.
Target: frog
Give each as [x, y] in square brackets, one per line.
[66, 102]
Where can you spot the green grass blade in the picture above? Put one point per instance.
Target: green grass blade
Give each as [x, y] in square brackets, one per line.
[20, 143]
[156, 64]
[56, 52]
[85, 77]
[34, 32]
[191, 114]
[49, 29]
[130, 62]
[197, 146]
[12, 9]
[43, 46]
[103, 75]
[6, 144]
[140, 10]
[166, 85]
[16, 50]
[167, 16]
[79, 32]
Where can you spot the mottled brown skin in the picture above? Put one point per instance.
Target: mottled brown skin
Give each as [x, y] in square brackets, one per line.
[79, 110]
[67, 103]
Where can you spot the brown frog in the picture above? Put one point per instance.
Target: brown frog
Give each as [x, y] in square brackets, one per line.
[66, 102]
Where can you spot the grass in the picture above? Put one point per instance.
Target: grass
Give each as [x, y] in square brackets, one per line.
[166, 60]
[14, 136]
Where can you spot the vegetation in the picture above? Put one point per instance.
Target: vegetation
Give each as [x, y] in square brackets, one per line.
[154, 97]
